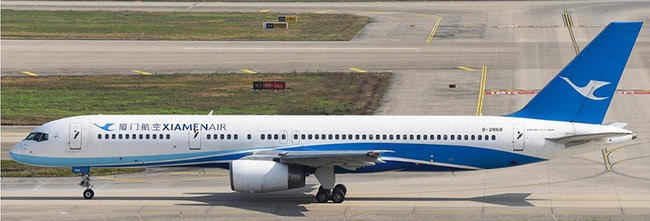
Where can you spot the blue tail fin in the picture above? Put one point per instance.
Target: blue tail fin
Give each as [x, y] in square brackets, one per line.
[583, 90]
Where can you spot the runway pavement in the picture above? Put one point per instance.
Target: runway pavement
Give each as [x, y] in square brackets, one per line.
[521, 44]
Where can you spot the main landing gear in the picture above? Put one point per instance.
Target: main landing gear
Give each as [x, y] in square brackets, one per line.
[327, 191]
[337, 195]
[85, 182]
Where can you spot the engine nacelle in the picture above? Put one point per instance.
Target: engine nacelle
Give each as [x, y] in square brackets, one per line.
[260, 176]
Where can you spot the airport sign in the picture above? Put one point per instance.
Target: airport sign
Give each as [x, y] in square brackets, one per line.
[269, 85]
[275, 25]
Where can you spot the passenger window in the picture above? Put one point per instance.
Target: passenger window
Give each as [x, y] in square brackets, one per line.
[390, 137]
[370, 137]
[451, 137]
[168, 136]
[112, 136]
[275, 136]
[133, 136]
[262, 136]
[397, 137]
[384, 137]
[439, 137]
[417, 137]
[363, 137]
[487, 137]
[249, 136]
[424, 137]
[235, 136]
[473, 137]
[223, 137]
[209, 136]
[159, 137]
[466, 137]
[336, 137]
[284, 136]
[494, 137]
[316, 136]
[141, 136]
[310, 136]
[343, 136]
[295, 136]
[444, 137]
[147, 136]
[105, 136]
[356, 136]
[479, 137]
[99, 136]
[153, 136]
[411, 136]
[322, 136]
[119, 136]
[432, 137]
[126, 136]
[228, 136]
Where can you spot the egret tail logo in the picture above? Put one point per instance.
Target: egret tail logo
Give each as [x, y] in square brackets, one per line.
[105, 127]
[589, 89]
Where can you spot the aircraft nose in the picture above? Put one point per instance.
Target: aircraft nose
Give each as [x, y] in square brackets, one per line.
[16, 152]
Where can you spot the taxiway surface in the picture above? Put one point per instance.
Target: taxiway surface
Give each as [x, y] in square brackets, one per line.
[522, 45]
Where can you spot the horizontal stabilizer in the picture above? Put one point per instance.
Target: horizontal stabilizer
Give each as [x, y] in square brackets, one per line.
[616, 124]
[573, 140]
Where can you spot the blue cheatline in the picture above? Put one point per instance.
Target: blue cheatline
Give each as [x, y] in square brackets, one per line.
[583, 90]
[404, 157]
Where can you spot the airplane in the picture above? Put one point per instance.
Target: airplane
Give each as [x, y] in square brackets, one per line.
[274, 153]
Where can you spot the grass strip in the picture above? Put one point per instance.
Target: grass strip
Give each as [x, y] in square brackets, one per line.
[11, 168]
[129, 25]
[36, 100]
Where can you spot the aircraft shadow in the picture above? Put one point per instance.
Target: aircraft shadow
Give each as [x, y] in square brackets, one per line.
[289, 203]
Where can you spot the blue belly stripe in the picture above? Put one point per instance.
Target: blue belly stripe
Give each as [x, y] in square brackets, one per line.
[448, 154]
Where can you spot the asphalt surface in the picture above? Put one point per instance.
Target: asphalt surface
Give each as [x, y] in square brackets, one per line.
[521, 44]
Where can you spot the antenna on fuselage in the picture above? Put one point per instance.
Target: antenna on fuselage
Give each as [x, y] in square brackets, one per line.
[211, 112]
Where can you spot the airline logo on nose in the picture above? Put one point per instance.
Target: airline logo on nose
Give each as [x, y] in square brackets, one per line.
[589, 89]
[105, 127]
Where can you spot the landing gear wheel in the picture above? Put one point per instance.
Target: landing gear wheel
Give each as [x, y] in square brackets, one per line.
[322, 196]
[338, 197]
[89, 194]
[341, 187]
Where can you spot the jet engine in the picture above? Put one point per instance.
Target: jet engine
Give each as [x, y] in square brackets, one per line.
[260, 176]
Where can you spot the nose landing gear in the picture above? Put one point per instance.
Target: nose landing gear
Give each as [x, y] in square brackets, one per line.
[85, 182]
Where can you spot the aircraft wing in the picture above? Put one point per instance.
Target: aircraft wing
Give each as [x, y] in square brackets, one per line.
[345, 159]
[573, 140]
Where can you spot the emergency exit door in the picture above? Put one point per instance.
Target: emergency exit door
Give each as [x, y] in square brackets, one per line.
[518, 138]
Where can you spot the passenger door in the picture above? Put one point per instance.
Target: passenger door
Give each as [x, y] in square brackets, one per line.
[75, 137]
[518, 137]
[194, 139]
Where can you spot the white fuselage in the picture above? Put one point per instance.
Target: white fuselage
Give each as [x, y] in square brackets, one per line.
[418, 142]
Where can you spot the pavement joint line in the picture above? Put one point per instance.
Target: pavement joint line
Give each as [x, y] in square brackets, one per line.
[192, 6]
[248, 71]
[121, 179]
[197, 173]
[324, 11]
[433, 31]
[29, 73]
[264, 10]
[481, 92]
[141, 72]
[358, 70]
[465, 68]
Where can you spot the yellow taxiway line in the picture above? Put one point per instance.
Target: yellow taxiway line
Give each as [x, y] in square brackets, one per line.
[248, 71]
[29, 73]
[264, 10]
[141, 72]
[465, 68]
[481, 91]
[433, 31]
[358, 70]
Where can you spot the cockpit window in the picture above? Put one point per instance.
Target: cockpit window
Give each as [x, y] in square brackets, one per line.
[37, 136]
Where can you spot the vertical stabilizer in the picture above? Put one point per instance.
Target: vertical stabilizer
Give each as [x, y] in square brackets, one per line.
[583, 90]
